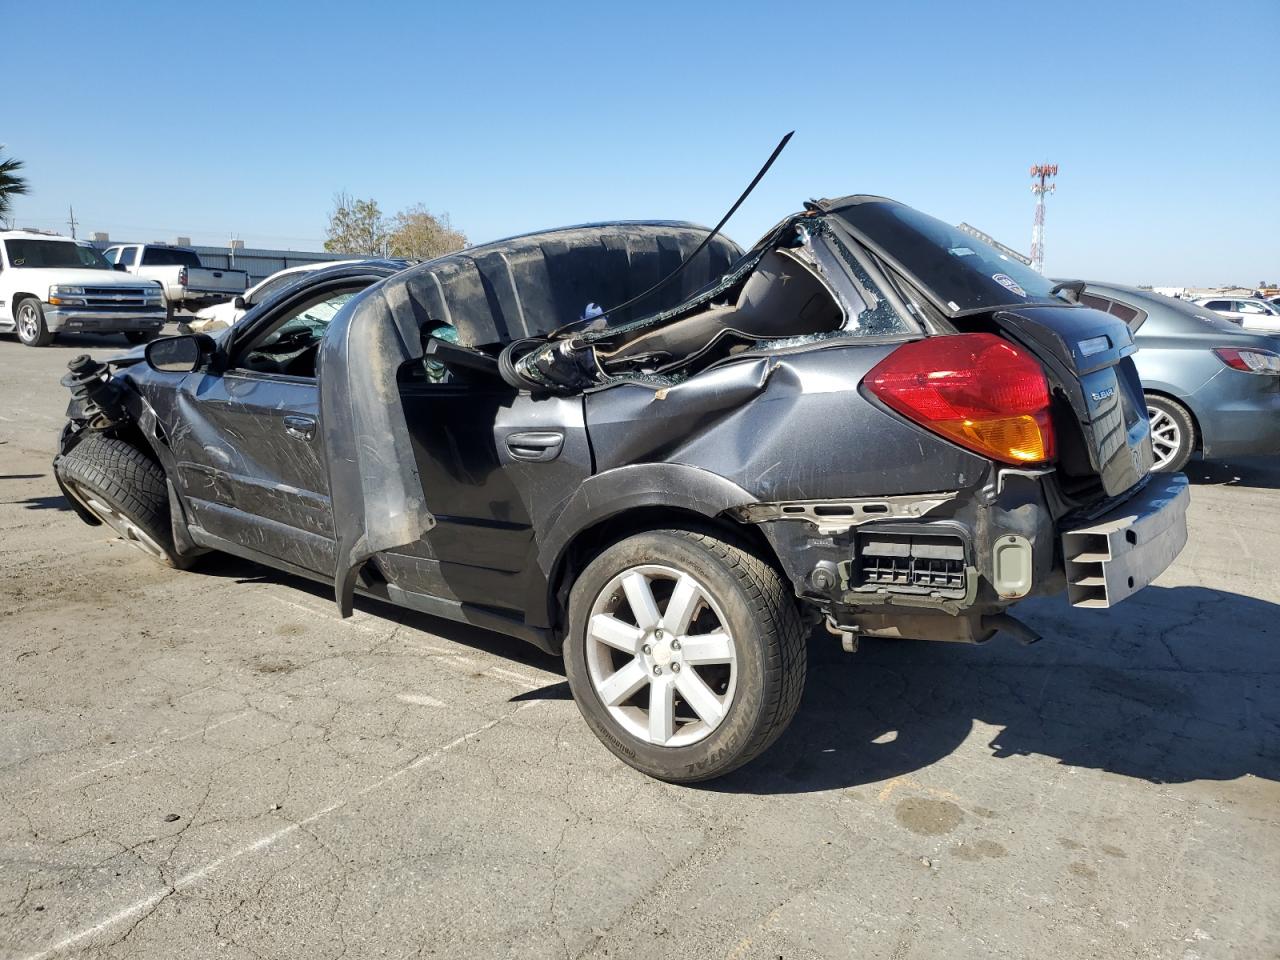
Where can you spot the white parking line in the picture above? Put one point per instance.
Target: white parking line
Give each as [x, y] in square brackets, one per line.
[511, 675]
[455, 661]
[143, 753]
[449, 657]
[195, 876]
[352, 621]
[420, 700]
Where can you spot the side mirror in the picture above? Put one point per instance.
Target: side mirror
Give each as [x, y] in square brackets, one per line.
[120, 266]
[240, 303]
[179, 354]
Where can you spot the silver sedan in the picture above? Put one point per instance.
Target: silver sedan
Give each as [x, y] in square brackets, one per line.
[1211, 387]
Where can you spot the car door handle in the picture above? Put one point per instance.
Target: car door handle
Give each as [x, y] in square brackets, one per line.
[536, 447]
[300, 428]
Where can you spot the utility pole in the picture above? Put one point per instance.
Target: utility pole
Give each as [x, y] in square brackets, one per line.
[1041, 174]
[72, 221]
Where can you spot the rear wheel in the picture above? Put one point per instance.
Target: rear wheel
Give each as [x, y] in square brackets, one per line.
[686, 654]
[1173, 434]
[119, 486]
[32, 330]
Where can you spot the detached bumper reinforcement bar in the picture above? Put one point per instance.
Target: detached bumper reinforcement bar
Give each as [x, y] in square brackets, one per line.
[1124, 550]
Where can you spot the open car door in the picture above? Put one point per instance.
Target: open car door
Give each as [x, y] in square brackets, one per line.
[376, 492]
[485, 297]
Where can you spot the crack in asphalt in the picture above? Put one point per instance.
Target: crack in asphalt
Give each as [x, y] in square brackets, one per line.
[137, 913]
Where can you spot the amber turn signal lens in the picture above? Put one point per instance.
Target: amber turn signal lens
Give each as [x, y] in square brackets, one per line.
[1019, 439]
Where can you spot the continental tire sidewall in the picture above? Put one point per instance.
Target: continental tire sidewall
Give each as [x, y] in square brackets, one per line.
[94, 463]
[739, 736]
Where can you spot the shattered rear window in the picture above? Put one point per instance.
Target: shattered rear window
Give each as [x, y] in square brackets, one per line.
[961, 271]
[868, 313]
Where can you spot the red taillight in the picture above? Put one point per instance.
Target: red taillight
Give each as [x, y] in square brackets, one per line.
[1249, 359]
[973, 388]
[182, 277]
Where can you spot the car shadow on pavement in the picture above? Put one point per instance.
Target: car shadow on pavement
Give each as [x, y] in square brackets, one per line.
[499, 644]
[56, 502]
[1173, 685]
[1176, 684]
[1260, 472]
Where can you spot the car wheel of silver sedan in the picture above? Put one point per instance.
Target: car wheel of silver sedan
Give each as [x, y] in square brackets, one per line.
[1173, 434]
[685, 654]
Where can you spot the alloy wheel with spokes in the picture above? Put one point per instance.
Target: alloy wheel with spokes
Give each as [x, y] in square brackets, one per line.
[30, 324]
[685, 652]
[1173, 433]
[1166, 437]
[660, 656]
[129, 531]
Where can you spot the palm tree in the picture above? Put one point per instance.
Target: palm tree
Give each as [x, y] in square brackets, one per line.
[11, 185]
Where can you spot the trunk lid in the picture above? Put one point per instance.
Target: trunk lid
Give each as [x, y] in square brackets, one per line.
[1099, 411]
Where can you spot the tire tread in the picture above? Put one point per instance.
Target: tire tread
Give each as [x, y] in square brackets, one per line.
[774, 606]
[127, 478]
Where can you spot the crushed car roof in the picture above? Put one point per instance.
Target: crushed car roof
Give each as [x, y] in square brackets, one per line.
[529, 285]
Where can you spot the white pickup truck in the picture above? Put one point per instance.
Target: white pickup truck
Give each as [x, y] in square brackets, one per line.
[187, 284]
[50, 284]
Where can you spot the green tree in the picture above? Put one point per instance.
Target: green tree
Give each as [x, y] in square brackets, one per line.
[11, 185]
[356, 226]
[418, 234]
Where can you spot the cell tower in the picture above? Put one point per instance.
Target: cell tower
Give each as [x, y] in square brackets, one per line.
[1041, 174]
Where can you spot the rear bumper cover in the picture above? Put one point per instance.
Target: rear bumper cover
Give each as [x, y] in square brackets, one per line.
[1124, 550]
[974, 553]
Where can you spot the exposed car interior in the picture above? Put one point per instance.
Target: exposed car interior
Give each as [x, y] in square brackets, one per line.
[289, 344]
[781, 298]
[803, 290]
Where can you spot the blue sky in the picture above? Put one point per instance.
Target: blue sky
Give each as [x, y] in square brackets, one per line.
[214, 119]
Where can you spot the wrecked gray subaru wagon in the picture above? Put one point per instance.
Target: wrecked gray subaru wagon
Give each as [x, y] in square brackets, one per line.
[870, 420]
